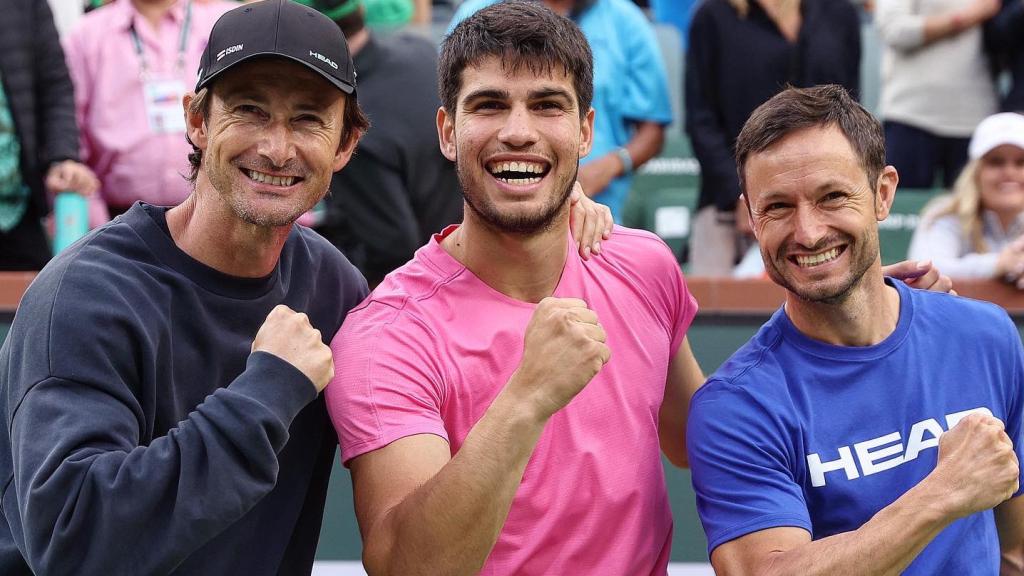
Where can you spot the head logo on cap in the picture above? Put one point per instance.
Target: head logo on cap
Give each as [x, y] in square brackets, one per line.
[282, 29]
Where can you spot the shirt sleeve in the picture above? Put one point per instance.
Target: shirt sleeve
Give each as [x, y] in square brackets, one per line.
[1015, 397]
[646, 91]
[1005, 28]
[56, 94]
[899, 26]
[388, 381]
[940, 240]
[711, 144]
[738, 460]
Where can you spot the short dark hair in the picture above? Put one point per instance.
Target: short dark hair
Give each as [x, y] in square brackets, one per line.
[520, 33]
[798, 108]
[354, 122]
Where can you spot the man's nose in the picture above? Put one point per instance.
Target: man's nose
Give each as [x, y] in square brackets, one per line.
[519, 130]
[277, 144]
[809, 226]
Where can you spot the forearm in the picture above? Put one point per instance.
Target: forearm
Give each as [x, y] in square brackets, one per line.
[944, 25]
[449, 524]
[646, 143]
[92, 479]
[885, 544]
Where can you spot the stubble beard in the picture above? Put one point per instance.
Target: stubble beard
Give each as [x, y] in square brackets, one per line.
[232, 192]
[519, 224]
[828, 294]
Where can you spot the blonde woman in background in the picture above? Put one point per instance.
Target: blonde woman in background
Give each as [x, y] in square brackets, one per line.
[976, 231]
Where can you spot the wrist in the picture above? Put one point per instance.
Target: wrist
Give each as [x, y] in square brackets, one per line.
[625, 161]
[522, 403]
[935, 500]
[958, 22]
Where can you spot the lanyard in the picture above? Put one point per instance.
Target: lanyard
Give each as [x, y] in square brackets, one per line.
[182, 45]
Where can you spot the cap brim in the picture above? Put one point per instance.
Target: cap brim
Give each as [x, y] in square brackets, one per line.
[340, 85]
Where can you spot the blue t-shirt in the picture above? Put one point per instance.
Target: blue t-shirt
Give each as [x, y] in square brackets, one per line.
[630, 83]
[791, 431]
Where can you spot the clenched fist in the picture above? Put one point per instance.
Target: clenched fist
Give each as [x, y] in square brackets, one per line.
[564, 349]
[977, 465]
[288, 335]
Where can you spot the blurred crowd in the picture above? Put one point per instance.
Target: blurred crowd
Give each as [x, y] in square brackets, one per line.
[96, 112]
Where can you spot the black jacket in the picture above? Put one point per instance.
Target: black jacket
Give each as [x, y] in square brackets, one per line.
[39, 91]
[1005, 34]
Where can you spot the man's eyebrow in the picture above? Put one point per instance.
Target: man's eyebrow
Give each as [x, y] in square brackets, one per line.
[243, 94]
[550, 93]
[487, 94]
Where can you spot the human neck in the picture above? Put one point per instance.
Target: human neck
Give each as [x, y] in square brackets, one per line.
[786, 15]
[1006, 219]
[525, 268]
[866, 317]
[206, 229]
[153, 10]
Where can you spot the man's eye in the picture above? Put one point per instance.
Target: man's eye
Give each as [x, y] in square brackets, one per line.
[249, 109]
[834, 196]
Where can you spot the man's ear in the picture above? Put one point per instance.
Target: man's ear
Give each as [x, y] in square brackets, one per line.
[587, 133]
[446, 133]
[195, 124]
[743, 211]
[345, 149]
[885, 192]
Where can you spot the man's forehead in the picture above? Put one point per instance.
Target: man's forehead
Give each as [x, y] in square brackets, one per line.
[511, 75]
[806, 160]
[275, 76]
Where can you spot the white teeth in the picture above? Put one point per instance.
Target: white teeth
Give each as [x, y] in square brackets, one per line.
[815, 259]
[272, 180]
[519, 181]
[530, 167]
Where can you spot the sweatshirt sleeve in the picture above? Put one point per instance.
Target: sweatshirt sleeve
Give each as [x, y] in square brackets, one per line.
[84, 481]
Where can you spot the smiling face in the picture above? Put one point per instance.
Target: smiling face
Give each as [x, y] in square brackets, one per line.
[272, 140]
[1001, 181]
[516, 138]
[815, 214]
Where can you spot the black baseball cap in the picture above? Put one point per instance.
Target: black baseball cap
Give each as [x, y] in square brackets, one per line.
[278, 28]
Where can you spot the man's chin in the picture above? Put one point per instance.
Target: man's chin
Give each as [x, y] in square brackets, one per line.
[268, 217]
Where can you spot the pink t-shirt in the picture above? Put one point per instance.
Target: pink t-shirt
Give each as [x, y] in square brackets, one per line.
[433, 345]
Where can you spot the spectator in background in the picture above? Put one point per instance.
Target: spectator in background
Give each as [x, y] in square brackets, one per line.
[1006, 34]
[38, 137]
[131, 62]
[630, 92]
[937, 84]
[976, 232]
[398, 189]
[741, 53]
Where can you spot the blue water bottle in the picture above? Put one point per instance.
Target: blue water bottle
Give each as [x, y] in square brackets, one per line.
[71, 215]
